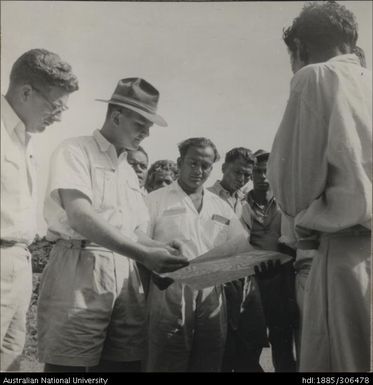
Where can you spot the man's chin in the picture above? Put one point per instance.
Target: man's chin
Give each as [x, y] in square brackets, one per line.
[37, 130]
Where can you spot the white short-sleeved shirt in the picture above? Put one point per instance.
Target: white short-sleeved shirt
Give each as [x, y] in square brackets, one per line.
[90, 165]
[173, 216]
[18, 187]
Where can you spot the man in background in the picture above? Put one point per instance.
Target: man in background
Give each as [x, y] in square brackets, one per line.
[39, 88]
[267, 303]
[320, 170]
[161, 173]
[187, 327]
[139, 161]
[237, 172]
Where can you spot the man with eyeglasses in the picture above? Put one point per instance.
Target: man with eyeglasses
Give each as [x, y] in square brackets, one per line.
[139, 161]
[40, 85]
[187, 328]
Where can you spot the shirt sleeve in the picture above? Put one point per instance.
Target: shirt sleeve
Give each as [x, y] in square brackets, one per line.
[70, 170]
[297, 167]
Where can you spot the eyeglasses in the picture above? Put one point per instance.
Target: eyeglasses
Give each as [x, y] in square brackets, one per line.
[205, 167]
[54, 107]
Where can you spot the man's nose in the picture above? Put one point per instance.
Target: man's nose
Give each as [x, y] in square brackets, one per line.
[57, 116]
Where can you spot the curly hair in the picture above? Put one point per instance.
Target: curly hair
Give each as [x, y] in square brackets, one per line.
[44, 68]
[197, 142]
[163, 166]
[359, 52]
[323, 26]
[140, 149]
[239, 153]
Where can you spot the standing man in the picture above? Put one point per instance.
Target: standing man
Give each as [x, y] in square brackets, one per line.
[237, 172]
[91, 305]
[187, 328]
[139, 161]
[39, 88]
[266, 303]
[320, 170]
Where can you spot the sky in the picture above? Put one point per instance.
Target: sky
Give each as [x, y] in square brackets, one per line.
[222, 69]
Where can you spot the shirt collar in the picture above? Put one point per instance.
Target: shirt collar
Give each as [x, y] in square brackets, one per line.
[222, 191]
[102, 142]
[174, 186]
[11, 120]
[347, 58]
[252, 203]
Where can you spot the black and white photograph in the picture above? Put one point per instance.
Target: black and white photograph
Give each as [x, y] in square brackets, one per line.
[186, 186]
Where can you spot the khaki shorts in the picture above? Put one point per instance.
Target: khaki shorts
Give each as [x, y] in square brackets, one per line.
[91, 306]
[16, 290]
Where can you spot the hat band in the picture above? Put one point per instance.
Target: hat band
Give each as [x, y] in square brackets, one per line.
[131, 102]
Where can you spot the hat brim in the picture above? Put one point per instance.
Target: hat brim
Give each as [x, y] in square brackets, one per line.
[155, 118]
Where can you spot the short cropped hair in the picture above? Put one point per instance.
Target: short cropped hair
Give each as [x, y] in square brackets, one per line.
[239, 153]
[161, 166]
[43, 68]
[261, 156]
[323, 26]
[197, 142]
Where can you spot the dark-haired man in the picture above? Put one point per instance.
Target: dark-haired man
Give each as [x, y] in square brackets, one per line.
[237, 172]
[320, 170]
[187, 327]
[266, 303]
[161, 173]
[92, 305]
[139, 161]
[39, 88]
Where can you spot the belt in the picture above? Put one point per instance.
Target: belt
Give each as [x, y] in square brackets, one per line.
[77, 243]
[5, 244]
[357, 230]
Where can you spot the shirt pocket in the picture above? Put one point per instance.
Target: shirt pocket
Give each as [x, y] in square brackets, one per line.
[136, 204]
[173, 225]
[216, 230]
[104, 187]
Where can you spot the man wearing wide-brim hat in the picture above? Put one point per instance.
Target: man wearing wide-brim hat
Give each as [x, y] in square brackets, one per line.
[92, 307]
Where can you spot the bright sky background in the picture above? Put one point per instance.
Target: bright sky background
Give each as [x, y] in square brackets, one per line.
[221, 68]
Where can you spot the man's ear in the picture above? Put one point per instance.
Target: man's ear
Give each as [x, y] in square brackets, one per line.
[115, 117]
[25, 92]
[178, 162]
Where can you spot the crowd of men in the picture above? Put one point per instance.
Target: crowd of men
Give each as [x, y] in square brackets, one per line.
[117, 224]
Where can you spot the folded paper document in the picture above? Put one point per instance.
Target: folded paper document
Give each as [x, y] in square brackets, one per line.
[205, 272]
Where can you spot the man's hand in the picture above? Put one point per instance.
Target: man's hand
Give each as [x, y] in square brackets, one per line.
[268, 269]
[161, 260]
[175, 247]
[161, 282]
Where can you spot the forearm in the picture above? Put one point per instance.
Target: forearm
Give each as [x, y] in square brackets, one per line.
[145, 240]
[89, 224]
